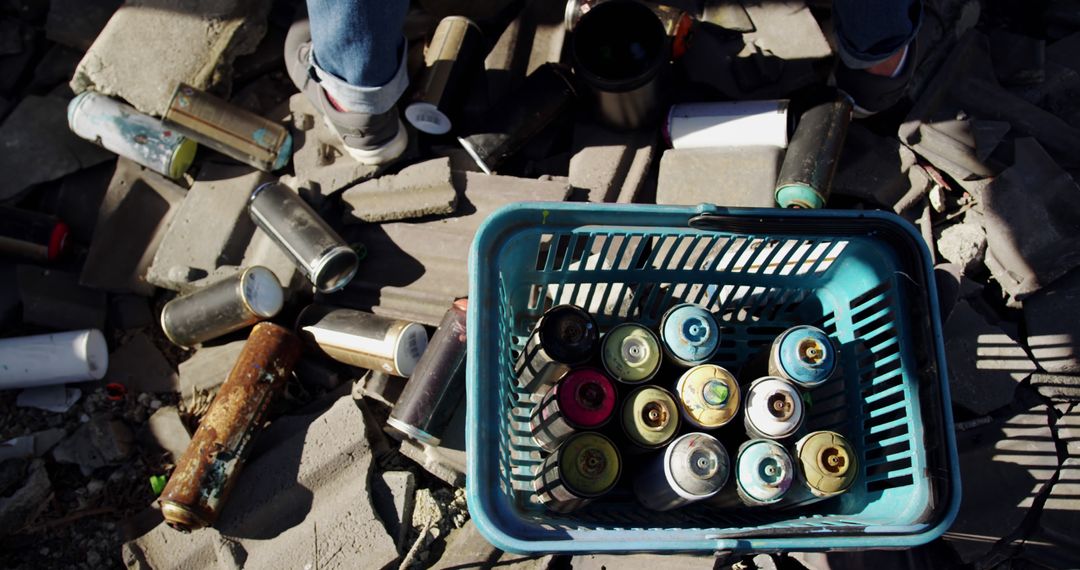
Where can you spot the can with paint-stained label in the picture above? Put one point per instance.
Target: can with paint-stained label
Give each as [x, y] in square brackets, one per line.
[453, 58]
[827, 467]
[228, 129]
[206, 472]
[764, 471]
[229, 305]
[690, 334]
[693, 468]
[122, 129]
[650, 417]
[772, 408]
[631, 353]
[364, 340]
[802, 354]
[31, 235]
[565, 336]
[708, 396]
[584, 399]
[586, 466]
[727, 124]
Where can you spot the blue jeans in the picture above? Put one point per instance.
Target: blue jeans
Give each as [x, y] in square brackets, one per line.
[870, 31]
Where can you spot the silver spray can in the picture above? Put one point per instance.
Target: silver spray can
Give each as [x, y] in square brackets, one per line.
[772, 409]
[229, 305]
[802, 354]
[693, 468]
[764, 471]
[364, 340]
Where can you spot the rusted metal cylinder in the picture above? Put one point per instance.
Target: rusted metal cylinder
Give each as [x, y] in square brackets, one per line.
[207, 471]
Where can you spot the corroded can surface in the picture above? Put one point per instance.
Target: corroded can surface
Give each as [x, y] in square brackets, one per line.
[207, 471]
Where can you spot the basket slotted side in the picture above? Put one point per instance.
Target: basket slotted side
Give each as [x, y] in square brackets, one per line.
[757, 285]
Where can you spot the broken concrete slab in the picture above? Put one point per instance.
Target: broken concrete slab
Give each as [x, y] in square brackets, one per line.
[467, 548]
[141, 367]
[262, 250]
[1053, 338]
[1018, 59]
[208, 368]
[447, 461]
[57, 398]
[78, 197]
[136, 55]
[985, 363]
[878, 170]
[167, 431]
[610, 166]
[743, 177]
[100, 442]
[54, 299]
[319, 158]
[37, 146]
[131, 222]
[379, 386]
[963, 244]
[76, 23]
[21, 506]
[127, 312]
[31, 445]
[418, 190]
[394, 496]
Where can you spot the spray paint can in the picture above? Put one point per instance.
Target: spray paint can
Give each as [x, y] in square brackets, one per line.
[764, 471]
[827, 468]
[727, 124]
[31, 235]
[690, 334]
[121, 129]
[586, 466]
[228, 129]
[310, 242]
[434, 391]
[678, 23]
[229, 305]
[631, 353]
[364, 340]
[809, 166]
[205, 474]
[55, 358]
[802, 354]
[772, 409]
[565, 336]
[708, 396]
[650, 417]
[693, 468]
[584, 399]
[452, 59]
[547, 94]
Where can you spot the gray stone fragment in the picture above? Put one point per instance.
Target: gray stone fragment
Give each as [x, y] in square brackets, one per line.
[20, 507]
[37, 146]
[32, 445]
[77, 199]
[100, 442]
[147, 47]
[418, 190]
[731, 176]
[141, 367]
[381, 387]
[76, 23]
[988, 135]
[127, 312]
[168, 431]
[208, 368]
[319, 157]
[262, 250]
[963, 244]
[467, 548]
[985, 363]
[1052, 334]
[610, 166]
[394, 495]
[447, 461]
[55, 299]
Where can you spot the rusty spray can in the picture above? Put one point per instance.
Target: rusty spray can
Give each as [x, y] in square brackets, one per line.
[631, 353]
[228, 129]
[708, 396]
[453, 58]
[690, 334]
[827, 467]
[764, 471]
[813, 154]
[802, 354]
[584, 399]
[650, 418]
[220, 308]
[772, 409]
[363, 339]
[693, 468]
[31, 235]
[122, 129]
[586, 466]
[564, 336]
[205, 474]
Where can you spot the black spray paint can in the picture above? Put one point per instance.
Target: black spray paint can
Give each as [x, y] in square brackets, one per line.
[565, 336]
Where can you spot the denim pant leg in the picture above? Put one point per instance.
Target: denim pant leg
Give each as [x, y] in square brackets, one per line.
[358, 51]
[870, 31]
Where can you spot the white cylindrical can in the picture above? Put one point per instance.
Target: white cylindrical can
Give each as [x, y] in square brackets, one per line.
[56, 358]
[728, 123]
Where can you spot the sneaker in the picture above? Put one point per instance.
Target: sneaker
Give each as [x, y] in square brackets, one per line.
[368, 138]
[872, 93]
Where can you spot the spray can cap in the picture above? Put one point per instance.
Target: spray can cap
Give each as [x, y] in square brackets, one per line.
[699, 464]
[631, 353]
[805, 355]
[828, 462]
[690, 334]
[764, 470]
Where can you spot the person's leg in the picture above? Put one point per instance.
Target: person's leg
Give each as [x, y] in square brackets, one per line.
[875, 39]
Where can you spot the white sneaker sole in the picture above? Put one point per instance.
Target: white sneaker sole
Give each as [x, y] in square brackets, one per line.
[376, 156]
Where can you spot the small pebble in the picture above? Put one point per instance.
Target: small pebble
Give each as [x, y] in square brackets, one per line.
[155, 404]
[83, 418]
[95, 486]
[143, 399]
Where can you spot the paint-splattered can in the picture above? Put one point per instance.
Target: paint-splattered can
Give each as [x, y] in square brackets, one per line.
[631, 353]
[708, 396]
[693, 468]
[565, 336]
[584, 399]
[122, 129]
[31, 235]
[453, 58]
[586, 466]
[764, 471]
[205, 474]
[229, 305]
[650, 417]
[772, 408]
[813, 154]
[803, 354]
[827, 468]
[309, 241]
[228, 129]
[690, 334]
[364, 340]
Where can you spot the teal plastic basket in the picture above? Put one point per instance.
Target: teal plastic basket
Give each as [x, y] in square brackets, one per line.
[863, 277]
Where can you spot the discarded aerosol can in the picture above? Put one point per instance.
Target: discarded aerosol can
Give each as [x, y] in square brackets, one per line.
[31, 235]
[433, 392]
[690, 334]
[122, 129]
[312, 245]
[631, 353]
[802, 354]
[813, 154]
[206, 473]
[453, 58]
[708, 396]
[220, 308]
[772, 408]
[228, 129]
[650, 417]
[693, 468]
[727, 124]
[678, 23]
[547, 94]
[54, 358]
[364, 340]
[586, 466]
[827, 468]
[764, 471]
[584, 399]
[564, 337]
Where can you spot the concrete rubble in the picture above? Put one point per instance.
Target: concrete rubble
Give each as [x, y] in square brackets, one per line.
[419, 190]
[54, 299]
[207, 369]
[737, 177]
[168, 432]
[141, 367]
[100, 442]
